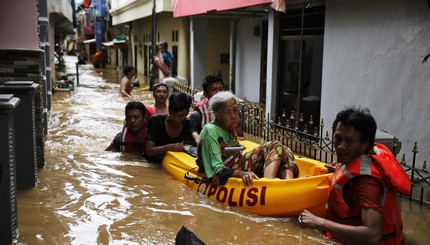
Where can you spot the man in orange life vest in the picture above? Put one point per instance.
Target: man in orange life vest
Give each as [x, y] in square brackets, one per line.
[98, 59]
[363, 203]
[132, 138]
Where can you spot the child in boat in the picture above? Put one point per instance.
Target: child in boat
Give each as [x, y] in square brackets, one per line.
[270, 160]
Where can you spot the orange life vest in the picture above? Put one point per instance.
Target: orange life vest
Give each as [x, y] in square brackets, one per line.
[131, 143]
[150, 110]
[383, 166]
[98, 56]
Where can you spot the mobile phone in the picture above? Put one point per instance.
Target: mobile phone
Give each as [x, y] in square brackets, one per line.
[234, 148]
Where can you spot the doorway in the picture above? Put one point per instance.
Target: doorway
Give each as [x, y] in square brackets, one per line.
[300, 70]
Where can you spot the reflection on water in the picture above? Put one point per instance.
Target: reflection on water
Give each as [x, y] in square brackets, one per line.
[88, 196]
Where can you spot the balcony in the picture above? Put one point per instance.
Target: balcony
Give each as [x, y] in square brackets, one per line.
[124, 11]
[61, 16]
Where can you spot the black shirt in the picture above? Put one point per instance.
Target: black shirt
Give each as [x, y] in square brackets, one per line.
[157, 133]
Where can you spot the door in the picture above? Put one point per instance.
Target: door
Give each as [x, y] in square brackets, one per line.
[300, 70]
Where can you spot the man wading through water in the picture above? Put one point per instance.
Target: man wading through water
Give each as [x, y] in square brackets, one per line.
[364, 203]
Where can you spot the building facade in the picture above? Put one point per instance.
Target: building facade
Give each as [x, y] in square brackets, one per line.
[309, 58]
[318, 57]
[139, 18]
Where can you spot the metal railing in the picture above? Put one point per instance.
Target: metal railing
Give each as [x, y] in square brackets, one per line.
[420, 177]
[302, 137]
[308, 139]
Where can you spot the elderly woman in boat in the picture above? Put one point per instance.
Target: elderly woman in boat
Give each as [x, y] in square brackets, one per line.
[220, 161]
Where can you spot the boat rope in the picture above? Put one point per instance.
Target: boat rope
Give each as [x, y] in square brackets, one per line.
[188, 177]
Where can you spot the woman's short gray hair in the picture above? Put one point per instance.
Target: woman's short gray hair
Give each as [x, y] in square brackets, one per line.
[217, 102]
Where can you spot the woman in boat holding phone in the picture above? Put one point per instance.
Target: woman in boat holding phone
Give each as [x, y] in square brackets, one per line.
[219, 152]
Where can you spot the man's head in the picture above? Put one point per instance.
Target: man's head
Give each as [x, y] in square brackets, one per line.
[354, 133]
[179, 107]
[162, 46]
[160, 93]
[135, 112]
[212, 85]
[128, 69]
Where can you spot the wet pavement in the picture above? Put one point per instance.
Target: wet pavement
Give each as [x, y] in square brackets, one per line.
[88, 196]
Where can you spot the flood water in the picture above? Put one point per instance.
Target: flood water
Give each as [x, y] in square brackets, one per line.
[88, 196]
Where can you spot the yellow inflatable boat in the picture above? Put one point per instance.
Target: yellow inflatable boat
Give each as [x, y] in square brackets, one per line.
[268, 197]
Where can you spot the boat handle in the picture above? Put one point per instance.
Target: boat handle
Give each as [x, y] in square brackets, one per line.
[188, 177]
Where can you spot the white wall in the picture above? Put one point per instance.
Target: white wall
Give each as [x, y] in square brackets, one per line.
[62, 7]
[248, 60]
[373, 52]
[123, 11]
[209, 39]
[272, 64]
[198, 51]
[218, 43]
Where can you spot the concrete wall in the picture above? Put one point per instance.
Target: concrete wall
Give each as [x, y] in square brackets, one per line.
[272, 62]
[61, 7]
[140, 28]
[210, 39]
[198, 52]
[218, 42]
[248, 59]
[373, 52]
[123, 11]
[19, 25]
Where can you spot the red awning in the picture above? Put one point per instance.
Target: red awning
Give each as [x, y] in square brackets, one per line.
[192, 7]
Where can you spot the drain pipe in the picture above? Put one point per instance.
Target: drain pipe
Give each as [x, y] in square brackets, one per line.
[152, 53]
[233, 39]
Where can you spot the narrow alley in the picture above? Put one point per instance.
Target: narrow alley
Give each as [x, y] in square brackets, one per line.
[88, 196]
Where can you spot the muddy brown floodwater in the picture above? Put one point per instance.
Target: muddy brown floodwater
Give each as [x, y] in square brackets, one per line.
[88, 196]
